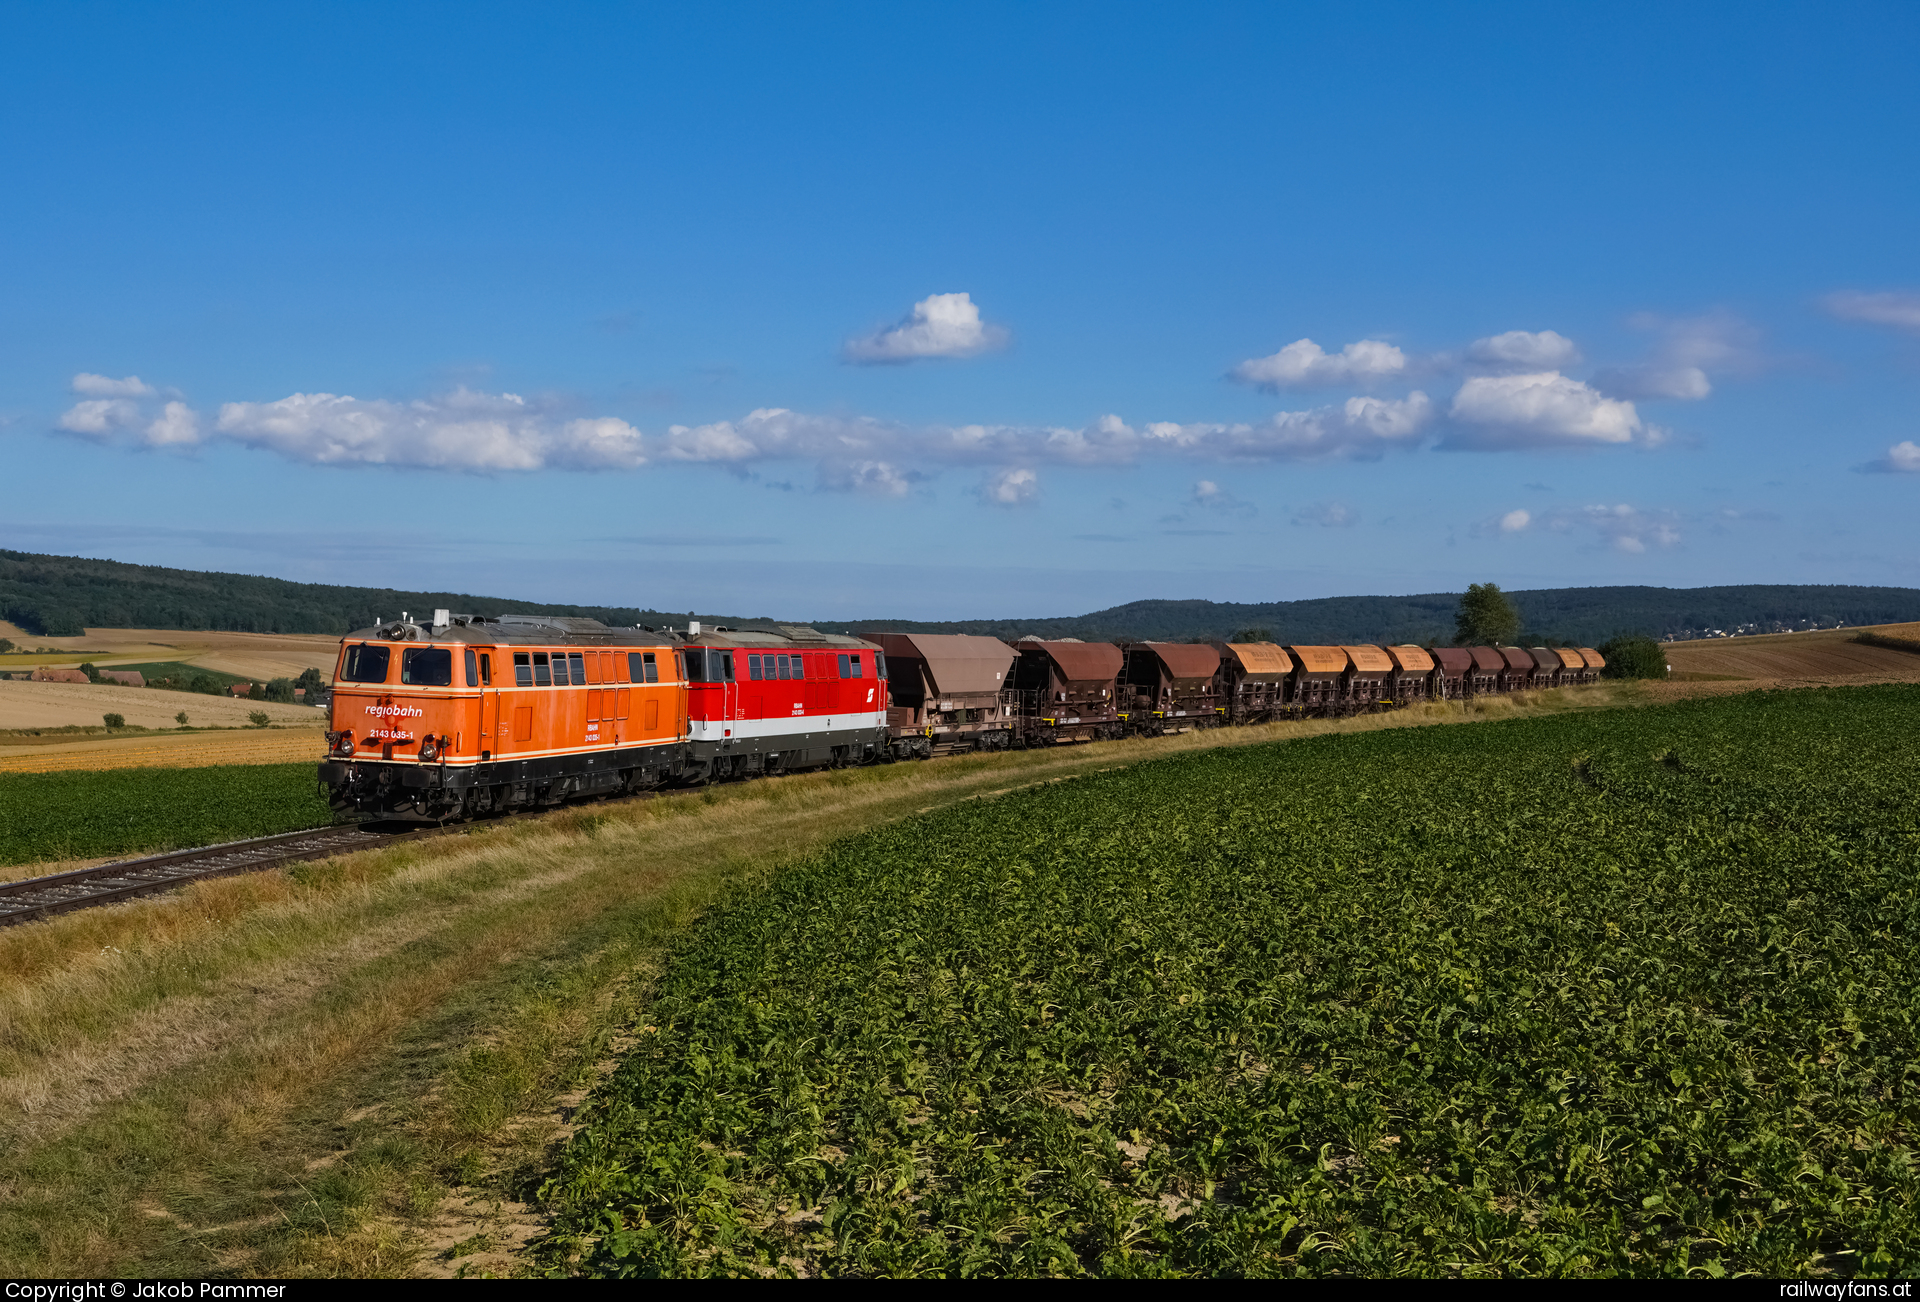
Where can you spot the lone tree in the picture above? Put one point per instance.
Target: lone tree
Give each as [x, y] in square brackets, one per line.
[1487, 617]
[1634, 657]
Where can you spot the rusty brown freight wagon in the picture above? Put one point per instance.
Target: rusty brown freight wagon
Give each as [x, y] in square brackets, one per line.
[1552, 669]
[1518, 674]
[949, 692]
[1488, 668]
[1369, 671]
[1319, 679]
[1452, 672]
[1595, 663]
[1067, 691]
[1412, 678]
[1252, 681]
[1169, 686]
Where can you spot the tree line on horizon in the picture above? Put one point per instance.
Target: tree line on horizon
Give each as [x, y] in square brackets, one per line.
[63, 596]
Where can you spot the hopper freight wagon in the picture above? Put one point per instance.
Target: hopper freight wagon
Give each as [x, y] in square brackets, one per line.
[760, 701]
[1368, 671]
[1452, 672]
[1550, 668]
[1489, 668]
[1595, 662]
[1170, 685]
[471, 715]
[1412, 676]
[1319, 681]
[949, 692]
[1516, 672]
[1252, 681]
[1066, 691]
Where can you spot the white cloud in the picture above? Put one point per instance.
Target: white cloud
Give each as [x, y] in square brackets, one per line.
[99, 418]
[1688, 348]
[1902, 459]
[463, 430]
[1010, 487]
[1328, 515]
[1681, 383]
[89, 385]
[876, 478]
[1889, 309]
[1303, 364]
[940, 325]
[1545, 409]
[1515, 521]
[178, 425]
[1622, 527]
[1522, 350]
[1360, 429]
[1209, 496]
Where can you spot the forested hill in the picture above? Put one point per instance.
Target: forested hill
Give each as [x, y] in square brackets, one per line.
[1581, 616]
[62, 596]
[56, 596]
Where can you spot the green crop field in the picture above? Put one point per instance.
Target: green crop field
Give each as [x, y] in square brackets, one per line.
[1622, 993]
[87, 815]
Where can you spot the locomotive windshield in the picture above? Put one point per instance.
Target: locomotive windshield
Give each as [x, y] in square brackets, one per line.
[430, 666]
[365, 664]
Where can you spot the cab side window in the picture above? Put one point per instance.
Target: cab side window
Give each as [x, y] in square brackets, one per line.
[855, 657]
[652, 668]
[486, 670]
[522, 669]
[726, 666]
[473, 669]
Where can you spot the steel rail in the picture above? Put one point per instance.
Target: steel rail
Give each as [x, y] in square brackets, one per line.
[33, 898]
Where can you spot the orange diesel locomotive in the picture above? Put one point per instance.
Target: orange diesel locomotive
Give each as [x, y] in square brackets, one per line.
[473, 715]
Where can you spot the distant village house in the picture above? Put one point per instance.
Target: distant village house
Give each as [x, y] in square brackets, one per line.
[58, 676]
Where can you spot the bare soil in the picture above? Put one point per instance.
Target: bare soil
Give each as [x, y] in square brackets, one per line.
[1721, 665]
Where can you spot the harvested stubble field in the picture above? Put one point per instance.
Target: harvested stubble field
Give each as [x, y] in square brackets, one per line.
[59, 705]
[1830, 656]
[1609, 994]
[327, 1070]
[57, 754]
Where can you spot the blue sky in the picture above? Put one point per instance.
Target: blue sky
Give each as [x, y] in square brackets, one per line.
[964, 311]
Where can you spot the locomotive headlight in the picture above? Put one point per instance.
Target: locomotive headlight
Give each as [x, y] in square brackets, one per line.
[341, 743]
[429, 748]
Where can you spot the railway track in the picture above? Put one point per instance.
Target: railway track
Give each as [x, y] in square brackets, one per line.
[125, 879]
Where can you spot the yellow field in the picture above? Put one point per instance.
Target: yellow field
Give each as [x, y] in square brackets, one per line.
[59, 705]
[182, 751]
[255, 656]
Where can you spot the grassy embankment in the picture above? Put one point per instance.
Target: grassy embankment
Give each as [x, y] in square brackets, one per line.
[288, 1072]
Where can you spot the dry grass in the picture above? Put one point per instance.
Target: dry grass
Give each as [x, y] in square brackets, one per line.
[279, 745]
[280, 1072]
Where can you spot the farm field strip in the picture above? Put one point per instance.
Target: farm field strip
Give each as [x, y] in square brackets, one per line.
[197, 750]
[1624, 993]
[276, 1072]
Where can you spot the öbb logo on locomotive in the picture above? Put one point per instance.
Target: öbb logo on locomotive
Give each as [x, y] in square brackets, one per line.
[521, 711]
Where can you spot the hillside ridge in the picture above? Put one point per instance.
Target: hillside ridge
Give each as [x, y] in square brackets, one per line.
[61, 596]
